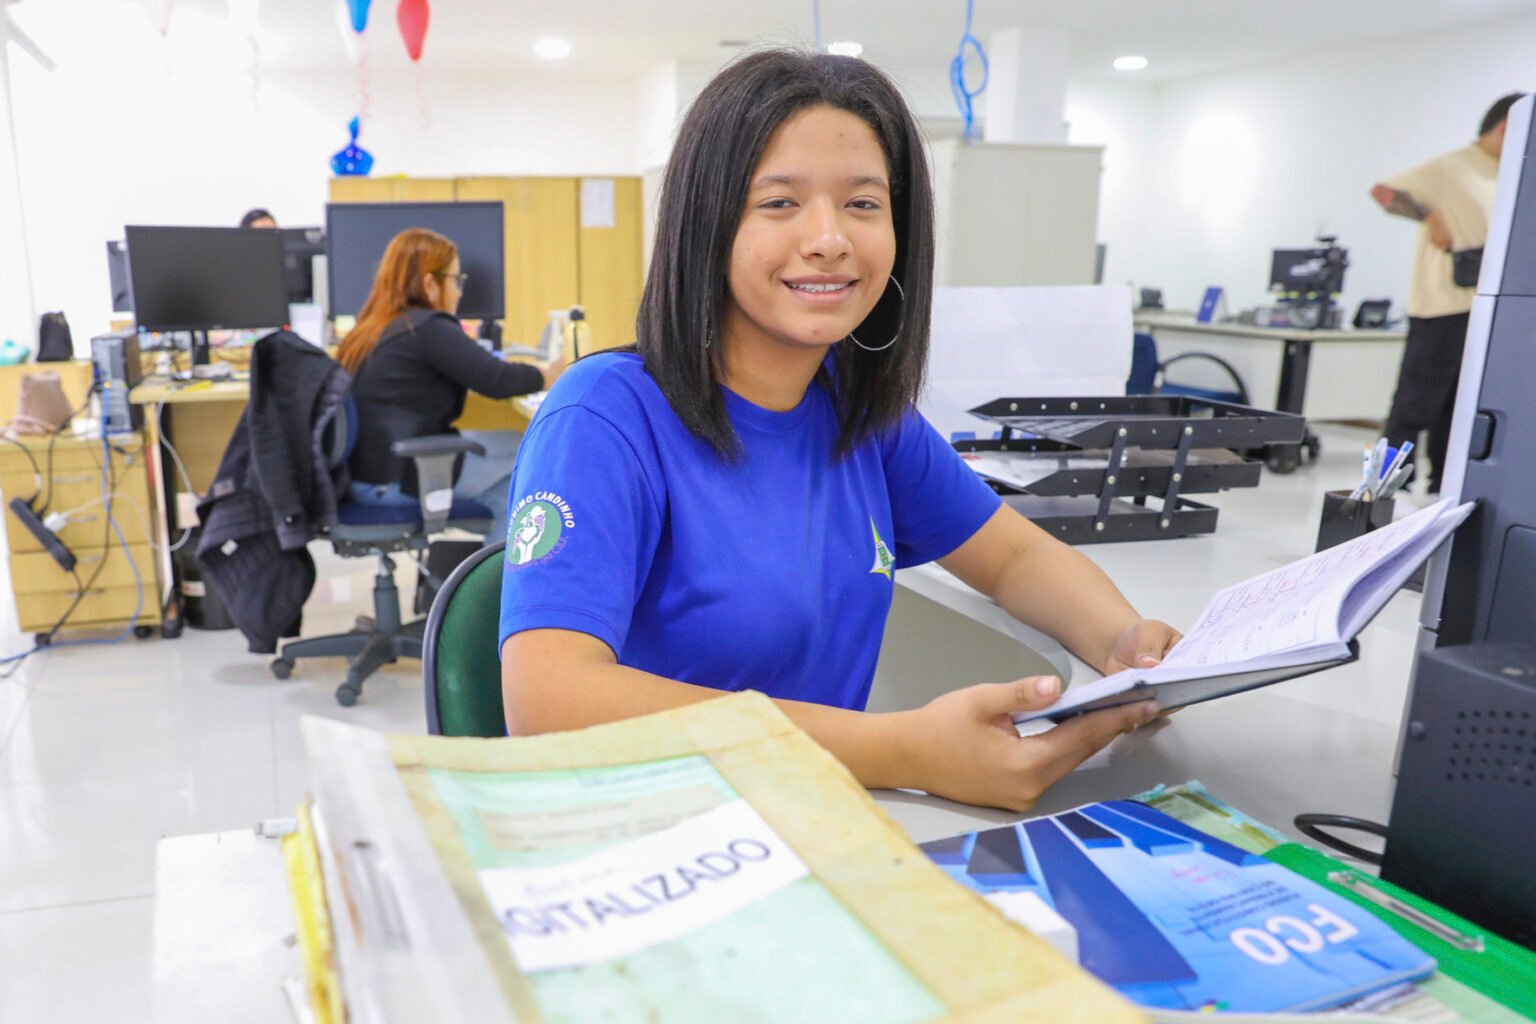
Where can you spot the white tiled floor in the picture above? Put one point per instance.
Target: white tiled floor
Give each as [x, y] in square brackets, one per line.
[106, 748]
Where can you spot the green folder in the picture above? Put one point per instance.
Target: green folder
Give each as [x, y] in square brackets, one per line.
[1502, 971]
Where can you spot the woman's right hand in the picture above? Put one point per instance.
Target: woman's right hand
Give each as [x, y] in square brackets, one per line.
[552, 371]
[966, 746]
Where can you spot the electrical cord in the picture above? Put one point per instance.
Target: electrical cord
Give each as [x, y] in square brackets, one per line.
[964, 95]
[181, 467]
[54, 436]
[109, 485]
[1311, 826]
[144, 521]
[37, 472]
[139, 506]
[14, 662]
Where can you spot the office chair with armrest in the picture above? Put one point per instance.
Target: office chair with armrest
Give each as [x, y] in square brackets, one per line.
[460, 663]
[381, 530]
[1149, 377]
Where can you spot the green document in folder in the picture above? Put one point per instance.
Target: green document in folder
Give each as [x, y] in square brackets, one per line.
[713, 863]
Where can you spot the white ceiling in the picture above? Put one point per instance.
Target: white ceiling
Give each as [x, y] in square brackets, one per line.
[1181, 37]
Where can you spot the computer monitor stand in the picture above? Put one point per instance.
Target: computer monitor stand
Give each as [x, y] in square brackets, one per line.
[200, 349]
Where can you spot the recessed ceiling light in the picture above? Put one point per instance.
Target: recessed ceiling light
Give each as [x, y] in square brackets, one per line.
[552, 49]
[1130, 63]
[844, 49]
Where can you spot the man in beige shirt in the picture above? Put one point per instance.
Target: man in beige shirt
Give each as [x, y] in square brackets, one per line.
[1451, 197]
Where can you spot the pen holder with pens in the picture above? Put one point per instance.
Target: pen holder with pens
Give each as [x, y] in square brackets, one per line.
[1345, 518]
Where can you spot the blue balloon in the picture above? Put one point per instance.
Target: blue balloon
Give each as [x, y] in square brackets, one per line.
[359, 12]
[352, 160]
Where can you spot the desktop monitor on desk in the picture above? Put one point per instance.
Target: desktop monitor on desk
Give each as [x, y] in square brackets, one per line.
[205, 279]
[1301, 274]
[117, 274]
[1307, 281]
[358, 233]
[300, 247]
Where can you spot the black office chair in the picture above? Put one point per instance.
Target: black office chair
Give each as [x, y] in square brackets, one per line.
[381, 530]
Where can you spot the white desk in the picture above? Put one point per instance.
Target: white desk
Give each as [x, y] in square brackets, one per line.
[222, 909]
[1366, 379]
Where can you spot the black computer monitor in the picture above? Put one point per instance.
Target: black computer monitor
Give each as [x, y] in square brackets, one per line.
[1304, 272]
[300, 247]
[117, 273]
[203, 279]
[357, 234]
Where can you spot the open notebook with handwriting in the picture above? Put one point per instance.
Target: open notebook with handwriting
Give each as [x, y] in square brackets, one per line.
[1288, 622]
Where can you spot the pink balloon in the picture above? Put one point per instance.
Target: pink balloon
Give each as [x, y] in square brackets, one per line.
[412, 17]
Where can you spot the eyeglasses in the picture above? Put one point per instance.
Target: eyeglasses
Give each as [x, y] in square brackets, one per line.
[460, 278]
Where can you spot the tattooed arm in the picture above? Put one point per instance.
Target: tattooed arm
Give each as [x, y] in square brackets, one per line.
[1398, 202]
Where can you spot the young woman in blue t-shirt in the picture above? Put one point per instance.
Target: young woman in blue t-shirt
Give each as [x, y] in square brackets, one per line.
[722, 507]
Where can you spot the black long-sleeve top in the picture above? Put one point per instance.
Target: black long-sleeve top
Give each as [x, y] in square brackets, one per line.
[414, 382]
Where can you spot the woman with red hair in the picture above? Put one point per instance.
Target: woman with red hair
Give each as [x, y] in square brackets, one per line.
[412, 365]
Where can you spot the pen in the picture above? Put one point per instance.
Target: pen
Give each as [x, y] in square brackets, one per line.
[1388, 464]
[1373, 474]
[1396, 480]
[1400, 457]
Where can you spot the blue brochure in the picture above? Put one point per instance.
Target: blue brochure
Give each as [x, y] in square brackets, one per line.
[1208, 305]
[1175, 918]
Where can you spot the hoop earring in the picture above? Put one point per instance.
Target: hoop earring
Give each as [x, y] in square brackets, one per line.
[901, 297]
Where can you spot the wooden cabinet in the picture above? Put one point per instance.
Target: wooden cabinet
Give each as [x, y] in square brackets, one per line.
[117, 578]
[612, 275]
[552, 261]
[392, 190]
[542, 262]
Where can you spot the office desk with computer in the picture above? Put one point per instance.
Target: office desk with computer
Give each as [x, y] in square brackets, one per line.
[1304, 284]
[183, 284]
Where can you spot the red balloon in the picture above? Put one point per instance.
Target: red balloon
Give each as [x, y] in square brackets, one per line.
[412, 17]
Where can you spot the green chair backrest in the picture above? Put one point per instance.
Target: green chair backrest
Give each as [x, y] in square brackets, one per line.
[460, 662]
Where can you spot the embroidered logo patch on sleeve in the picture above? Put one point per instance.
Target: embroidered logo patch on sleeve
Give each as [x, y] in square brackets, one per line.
[537, 528]
[884, 563]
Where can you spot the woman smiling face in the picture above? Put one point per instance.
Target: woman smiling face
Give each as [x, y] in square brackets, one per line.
[816, 243]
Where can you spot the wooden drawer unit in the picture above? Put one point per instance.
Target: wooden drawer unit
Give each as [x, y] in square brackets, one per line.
[81, 489]
[72, 485]
[35, 572]
[101, 606]
[71, 453]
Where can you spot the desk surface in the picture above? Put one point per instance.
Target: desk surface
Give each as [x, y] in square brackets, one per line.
[222, 910]
[1187, 323]
[168, 392]
[1321, 743]
[479, 412]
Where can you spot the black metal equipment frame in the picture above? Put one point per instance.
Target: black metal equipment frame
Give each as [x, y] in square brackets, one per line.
[1090, 506]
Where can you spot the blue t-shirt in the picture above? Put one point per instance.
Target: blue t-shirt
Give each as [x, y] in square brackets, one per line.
[772, 573]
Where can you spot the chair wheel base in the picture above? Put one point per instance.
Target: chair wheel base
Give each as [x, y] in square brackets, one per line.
[347, 694]
[282, 668]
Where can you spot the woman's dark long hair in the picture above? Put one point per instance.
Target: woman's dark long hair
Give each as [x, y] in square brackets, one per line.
[703, 195]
